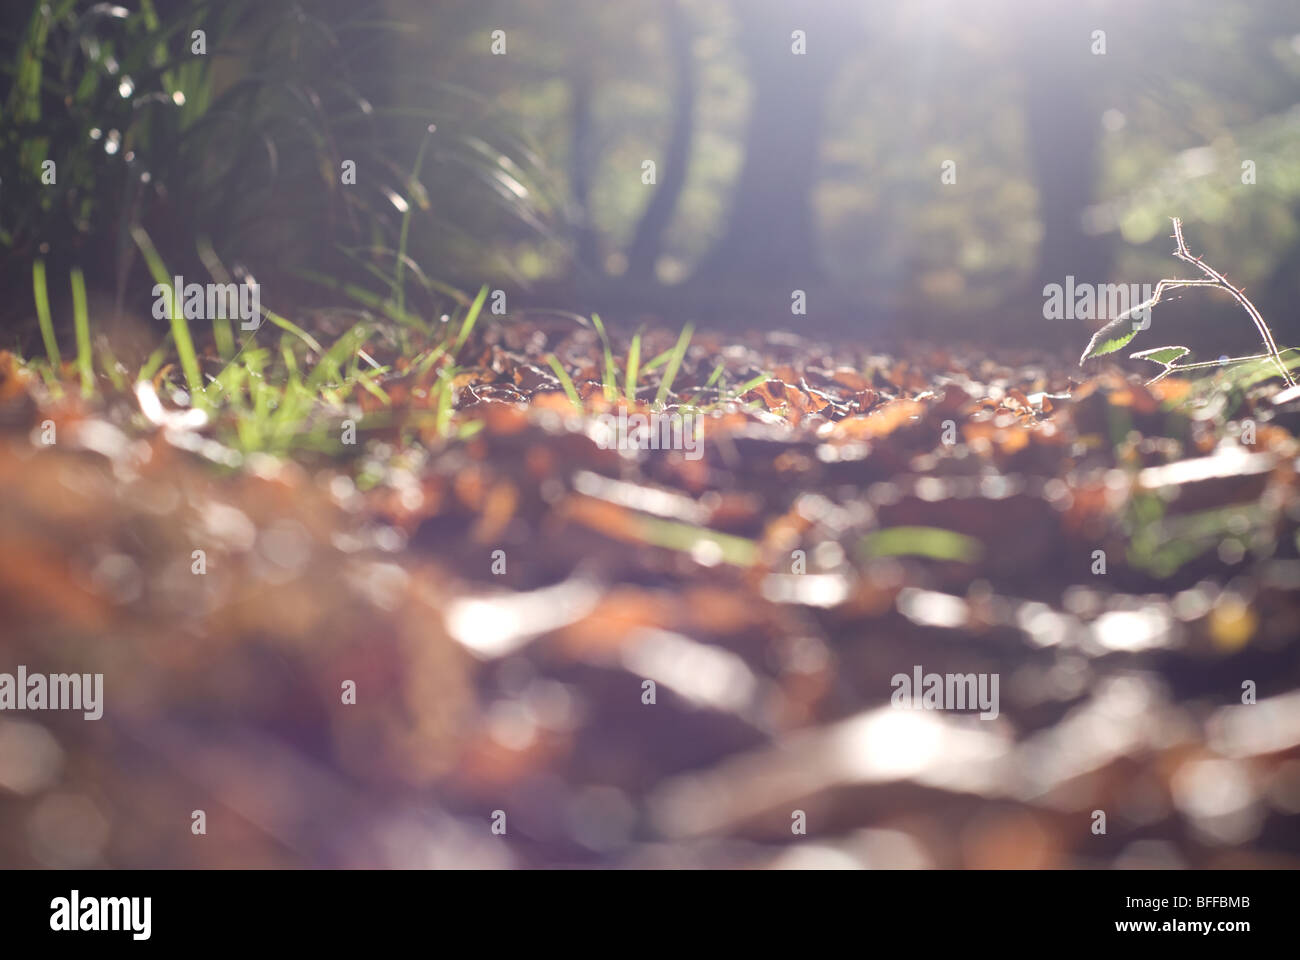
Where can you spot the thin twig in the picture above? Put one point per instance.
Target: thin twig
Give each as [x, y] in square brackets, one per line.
[1206, 364]
[1219, 280]
[1158, 294]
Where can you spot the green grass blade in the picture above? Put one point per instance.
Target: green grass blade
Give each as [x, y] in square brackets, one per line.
[565, 380]
[223, 332]
[155, 361]
[293, 328]
[633, 362]
[444, 409]
[421, 366]
[657, 362]
[180, 329]
[365, 297]
[331, 362]
[674, 363]
[51, 382]
[713, 378]
[42, 294]
[81, 320]
[471, 316]
[934, 542]
[416, 190]
[675, 535]
[108, 362]
[469, 428]
[610, 380]
[373, 388]
[749, 385]
[223, 335]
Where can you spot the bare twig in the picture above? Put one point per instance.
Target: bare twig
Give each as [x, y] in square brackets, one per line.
[1217, 279]
[1182, 253]
[1110, 340]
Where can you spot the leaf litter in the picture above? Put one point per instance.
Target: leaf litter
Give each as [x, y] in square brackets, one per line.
[500, 586]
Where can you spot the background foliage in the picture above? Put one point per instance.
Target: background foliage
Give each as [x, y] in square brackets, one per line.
[1067, 161]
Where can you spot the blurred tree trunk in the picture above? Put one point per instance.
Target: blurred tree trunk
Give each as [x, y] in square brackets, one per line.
[770, 235]
[1063, 126]
[648, 240]
[581, 153]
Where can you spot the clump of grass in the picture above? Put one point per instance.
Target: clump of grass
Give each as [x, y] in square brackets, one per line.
[293, 394]
[268, 397]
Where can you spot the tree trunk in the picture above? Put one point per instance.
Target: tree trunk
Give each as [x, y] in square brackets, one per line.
[581, 152]
[770, 237]
[648, 240]
[1063, 126]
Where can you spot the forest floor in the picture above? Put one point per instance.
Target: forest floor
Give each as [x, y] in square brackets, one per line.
[501, 589]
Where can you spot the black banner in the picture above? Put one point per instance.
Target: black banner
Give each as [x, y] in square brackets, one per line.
[335, 908]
